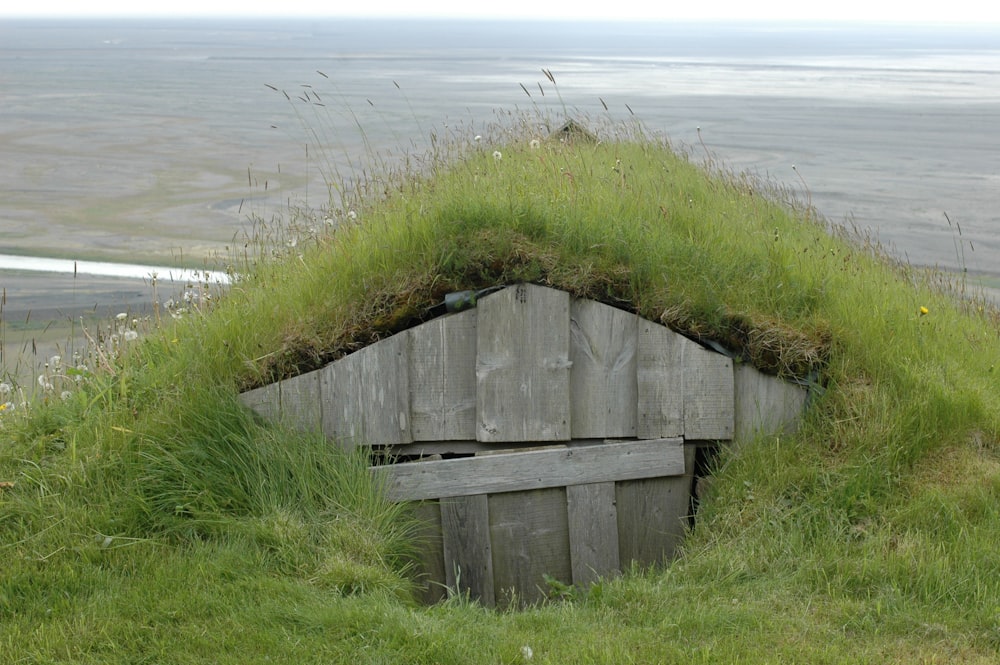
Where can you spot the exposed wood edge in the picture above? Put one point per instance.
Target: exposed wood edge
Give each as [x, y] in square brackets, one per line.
[536, 469]
[469, 447]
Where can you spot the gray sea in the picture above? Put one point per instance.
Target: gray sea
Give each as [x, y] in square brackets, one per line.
[152, 143]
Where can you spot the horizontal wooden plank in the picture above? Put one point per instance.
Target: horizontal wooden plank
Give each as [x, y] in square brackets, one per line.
[535, 469]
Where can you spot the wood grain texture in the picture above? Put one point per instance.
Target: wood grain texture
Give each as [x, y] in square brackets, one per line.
[522, 365]
[430, 569]
[652, 517]
[366, 395]
[765, 404]
[468, 557]
[535, 469]
[660, 379]
[264, 401]
[301, 402]
[442, 377]
[530, 537]
[603, 384]
[708, 394]
[593, 531]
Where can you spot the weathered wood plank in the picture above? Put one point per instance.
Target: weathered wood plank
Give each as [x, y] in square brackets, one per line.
[264, 401]
[385, 391]
[301, 402]
[340, 387]
[535, 469]
[603, 386]
[660, 378]
[522, 365]
[530, 537]
[366, 395]
[708, 394]
[593, 531]
[468, 557]
[430, 569]
[765, 404]
[443, 378]
[652, 517]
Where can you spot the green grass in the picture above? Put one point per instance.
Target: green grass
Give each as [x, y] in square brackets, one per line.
[152, 519]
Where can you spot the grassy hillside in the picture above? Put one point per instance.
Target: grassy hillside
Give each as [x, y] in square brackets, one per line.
[147, 517]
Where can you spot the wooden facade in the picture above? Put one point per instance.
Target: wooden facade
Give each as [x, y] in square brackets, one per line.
[554, 437]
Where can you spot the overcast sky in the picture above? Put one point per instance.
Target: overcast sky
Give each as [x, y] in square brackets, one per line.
[952, 11]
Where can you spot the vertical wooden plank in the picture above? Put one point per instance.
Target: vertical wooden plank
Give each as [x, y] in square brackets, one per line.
[765, 404]
[653, 515]
[593, 531]
[468, 557]
[340, 387]
[529, 532]
[428, 539]
[385, 391]
[366, 395]
[300, 402]
[443, 378]
[603, 388]
[708, 394]
[522, 365]
[660, 378]
[264, 401]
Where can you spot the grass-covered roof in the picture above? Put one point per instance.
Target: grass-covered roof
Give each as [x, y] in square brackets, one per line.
[148, 516]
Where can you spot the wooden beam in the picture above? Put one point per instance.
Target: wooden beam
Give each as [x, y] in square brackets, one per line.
[301, 405]
[535, 469]
[366, 397]
[468, 556]
[530, 539]
[766, 404]
[660, 376]
[603, 385]
[442, 378]
[522, 365]
[708, 394]
[264, 401]
[593, 531]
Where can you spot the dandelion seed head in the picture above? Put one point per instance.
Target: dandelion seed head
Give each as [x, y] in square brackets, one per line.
[478, 138]
[65, 395]
[131, 336]
[5, 389]
[497, 155]
[526, 652]
[121, 316]
[535, 144]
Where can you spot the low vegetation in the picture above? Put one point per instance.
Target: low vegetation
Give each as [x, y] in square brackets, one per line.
[145, 516]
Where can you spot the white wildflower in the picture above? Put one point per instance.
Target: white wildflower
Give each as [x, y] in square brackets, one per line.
[478, 138]
[121, 316]
[497, 155]
[535, 144]
[526, 652]
[351, 215]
